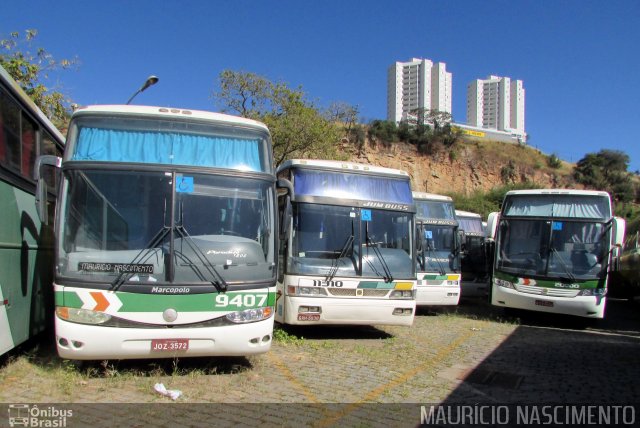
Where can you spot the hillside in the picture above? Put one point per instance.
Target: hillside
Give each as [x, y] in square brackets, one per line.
[466, 166]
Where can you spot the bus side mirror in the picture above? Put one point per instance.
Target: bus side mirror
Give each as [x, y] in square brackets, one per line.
[41, 187]
[286, 218]
[285, 185]
[461, 240]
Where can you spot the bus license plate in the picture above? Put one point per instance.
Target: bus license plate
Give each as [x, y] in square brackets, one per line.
[544, 303]
[308, 317]
[169, 345]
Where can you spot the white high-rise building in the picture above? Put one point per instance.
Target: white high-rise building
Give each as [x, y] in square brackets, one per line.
[417, 84]
[496, 103]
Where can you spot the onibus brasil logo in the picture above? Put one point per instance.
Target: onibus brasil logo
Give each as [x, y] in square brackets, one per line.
[27, 415]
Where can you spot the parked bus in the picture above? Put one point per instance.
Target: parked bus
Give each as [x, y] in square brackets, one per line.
[166, 235]
[438, 250]
[554, 251]
[475, 255]
[348, 249]
[26, 245]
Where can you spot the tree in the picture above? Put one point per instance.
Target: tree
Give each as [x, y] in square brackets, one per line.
[606, 170]
[343, 113]
[30, 71]
[384, 130]
[298, 128]
[244, 94]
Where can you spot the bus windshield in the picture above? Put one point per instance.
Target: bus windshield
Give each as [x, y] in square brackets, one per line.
[361, 242]
[436, 251]
[140, 224]
[566, 250]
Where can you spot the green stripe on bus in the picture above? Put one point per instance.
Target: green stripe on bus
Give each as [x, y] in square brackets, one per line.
[582, 284]
[133, 302]
[377, 284]
[435, 276]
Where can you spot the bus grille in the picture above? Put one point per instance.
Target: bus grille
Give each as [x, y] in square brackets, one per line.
[351, 292]
[544, 291]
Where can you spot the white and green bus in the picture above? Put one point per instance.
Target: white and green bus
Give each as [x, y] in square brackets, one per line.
[554, 250]
[347, 245]
[26, 244]
[166, 235]
[438, 250]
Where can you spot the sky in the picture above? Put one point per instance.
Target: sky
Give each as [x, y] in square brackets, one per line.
[579, 60]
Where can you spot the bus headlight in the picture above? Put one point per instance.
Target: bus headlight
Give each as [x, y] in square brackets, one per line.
[502, 283]
[307, 291]
[250, 315]
[82, 316]
[401, 294]
[598, 292]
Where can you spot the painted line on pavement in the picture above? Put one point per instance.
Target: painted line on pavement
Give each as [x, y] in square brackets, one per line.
[375, 393]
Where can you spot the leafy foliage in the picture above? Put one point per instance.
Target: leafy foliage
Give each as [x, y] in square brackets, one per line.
[508, 173]
[553, 161]
[606, 170]
[298, 128]
[429, 130]
[30, 70]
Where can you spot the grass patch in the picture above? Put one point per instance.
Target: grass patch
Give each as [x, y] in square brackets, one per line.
[282, 336]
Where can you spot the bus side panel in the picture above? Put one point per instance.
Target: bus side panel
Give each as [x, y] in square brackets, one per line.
[26, 263]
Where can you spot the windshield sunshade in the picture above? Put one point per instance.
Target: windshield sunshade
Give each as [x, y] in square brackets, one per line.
[110, 145]
[435, 209]
[360, 186]
[558, 206]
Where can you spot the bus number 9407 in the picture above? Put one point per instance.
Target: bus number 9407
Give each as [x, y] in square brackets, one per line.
[242, 300]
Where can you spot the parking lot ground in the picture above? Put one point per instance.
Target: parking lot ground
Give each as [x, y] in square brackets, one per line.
[471, 353]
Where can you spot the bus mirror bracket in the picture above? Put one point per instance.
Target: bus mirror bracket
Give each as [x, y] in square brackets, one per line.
[41, 185]
[461, 240]
[285, 184]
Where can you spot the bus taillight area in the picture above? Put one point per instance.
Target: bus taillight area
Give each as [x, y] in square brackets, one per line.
[77, 341]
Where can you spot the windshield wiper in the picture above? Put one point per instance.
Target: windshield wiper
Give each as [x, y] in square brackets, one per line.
[570, 275]
[387, 272]
[431, 251]
[217, 279]
[140, 257]
[343, 252]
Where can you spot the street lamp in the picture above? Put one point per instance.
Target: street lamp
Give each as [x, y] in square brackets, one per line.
[151, 80]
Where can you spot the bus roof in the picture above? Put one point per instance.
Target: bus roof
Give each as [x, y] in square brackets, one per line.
[430, 197]
[573, 192]
[164, 112]
[341, 166]
[460, 213]
[22, 96]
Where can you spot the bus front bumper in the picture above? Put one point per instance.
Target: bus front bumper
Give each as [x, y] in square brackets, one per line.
[440, 295]
[90, 342]
[582, 306]
[357, 311]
